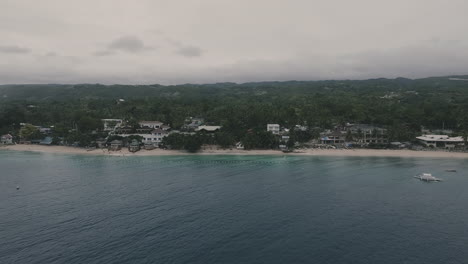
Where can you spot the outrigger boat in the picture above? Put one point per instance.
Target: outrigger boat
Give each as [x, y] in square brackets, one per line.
[427, 177]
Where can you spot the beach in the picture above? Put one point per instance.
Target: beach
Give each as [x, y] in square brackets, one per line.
[215, 151]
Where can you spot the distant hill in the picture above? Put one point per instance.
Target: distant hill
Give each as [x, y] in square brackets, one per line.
[59, 92]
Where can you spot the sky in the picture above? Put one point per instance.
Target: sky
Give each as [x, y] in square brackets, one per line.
[209, 41]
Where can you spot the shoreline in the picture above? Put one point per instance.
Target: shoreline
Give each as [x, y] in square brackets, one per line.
[307, 152]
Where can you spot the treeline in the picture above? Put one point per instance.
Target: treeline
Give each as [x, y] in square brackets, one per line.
[243, 110]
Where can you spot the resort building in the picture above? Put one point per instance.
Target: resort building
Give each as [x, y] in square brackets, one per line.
[155, 138]
[6, 139]
[335, 137]
[441, 141]
[364, 133]
[273, 128]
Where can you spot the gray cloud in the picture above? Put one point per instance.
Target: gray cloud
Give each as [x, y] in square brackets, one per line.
[103, 53]
[131, 44]
[51, 54]
[272, 40]
[189, 51]
[14, 49]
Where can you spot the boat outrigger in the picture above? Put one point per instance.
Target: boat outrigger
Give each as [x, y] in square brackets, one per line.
[427, 177]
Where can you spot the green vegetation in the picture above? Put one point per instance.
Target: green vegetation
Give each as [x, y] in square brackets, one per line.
[243, 110]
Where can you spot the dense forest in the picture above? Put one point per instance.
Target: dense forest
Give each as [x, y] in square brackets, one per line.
[401, 105]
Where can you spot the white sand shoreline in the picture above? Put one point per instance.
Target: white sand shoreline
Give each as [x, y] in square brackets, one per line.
[307, 152]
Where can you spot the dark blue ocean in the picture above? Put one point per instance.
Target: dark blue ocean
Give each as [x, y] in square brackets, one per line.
[231, 209]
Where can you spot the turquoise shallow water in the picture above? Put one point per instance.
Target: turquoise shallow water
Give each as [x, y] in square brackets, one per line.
[230, 209]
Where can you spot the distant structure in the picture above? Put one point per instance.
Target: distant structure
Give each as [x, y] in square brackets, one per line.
[273, 128]
[46, 141]
[134, 146]
[333, 137]
[116, 145]
[441, 141]
[111, 124]
[151, 124]
[192, 123]
[6, 139]
[154, 138]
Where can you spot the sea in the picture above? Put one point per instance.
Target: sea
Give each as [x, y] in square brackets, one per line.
[57, 208]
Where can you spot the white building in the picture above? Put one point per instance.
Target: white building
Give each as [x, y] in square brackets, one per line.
[273, 128]
[6, 139]
[441, 141]
[151, 124]
[111, 124]
[155, 138]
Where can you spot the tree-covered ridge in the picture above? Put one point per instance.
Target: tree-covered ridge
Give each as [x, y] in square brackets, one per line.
[401, 105]
[99, 91]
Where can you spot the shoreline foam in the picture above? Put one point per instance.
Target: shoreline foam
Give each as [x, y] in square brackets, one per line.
[306, 152]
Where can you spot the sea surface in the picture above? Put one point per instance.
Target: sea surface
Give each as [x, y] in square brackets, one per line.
[231, 209]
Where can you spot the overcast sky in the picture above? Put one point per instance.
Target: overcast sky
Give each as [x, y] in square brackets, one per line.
[206, 41]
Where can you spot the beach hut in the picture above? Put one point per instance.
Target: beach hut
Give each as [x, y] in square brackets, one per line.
[134, 146]
[115, 145]
[101, 142]
[149, 146]
[46, 141]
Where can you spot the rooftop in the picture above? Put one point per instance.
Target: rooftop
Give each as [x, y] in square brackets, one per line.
[7, 136]
[158, 130]
[208, 128]
[440, 138]
[150, 122]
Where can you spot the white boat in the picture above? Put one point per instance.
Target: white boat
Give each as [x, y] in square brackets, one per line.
[427, 177]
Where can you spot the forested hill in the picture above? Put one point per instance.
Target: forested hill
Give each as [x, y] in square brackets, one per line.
[57, 92]
[402, 105]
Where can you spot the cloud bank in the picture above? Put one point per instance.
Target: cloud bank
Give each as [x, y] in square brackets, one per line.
[152, 41]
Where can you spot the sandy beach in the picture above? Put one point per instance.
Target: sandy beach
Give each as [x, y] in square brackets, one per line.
[307, 152]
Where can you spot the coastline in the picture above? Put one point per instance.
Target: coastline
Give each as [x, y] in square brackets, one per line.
[307, 152]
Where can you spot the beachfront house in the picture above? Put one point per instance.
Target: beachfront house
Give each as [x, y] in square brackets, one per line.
[157, 136]
[154, 138]
[364, 133]
[47, 141]
[441, 141]
[149, 146]
[101, 142]
[273, 128]
[134, 146]
[239, 146]
[116, 145]
[333, 137]
[6, 139]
